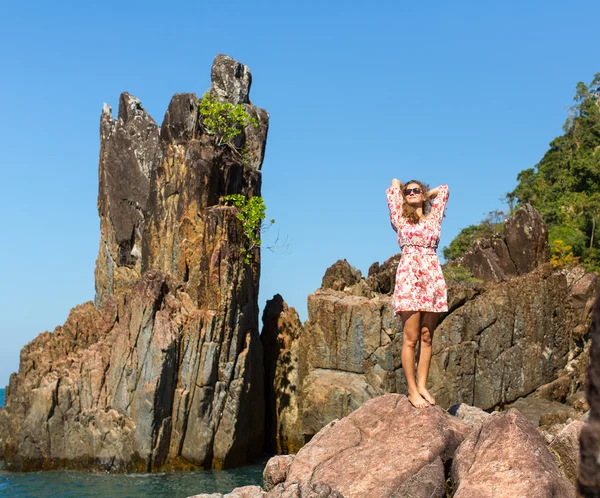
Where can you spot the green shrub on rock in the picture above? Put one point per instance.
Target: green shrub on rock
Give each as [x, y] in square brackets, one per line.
[223, 120]
[459, 275]
[252, 212]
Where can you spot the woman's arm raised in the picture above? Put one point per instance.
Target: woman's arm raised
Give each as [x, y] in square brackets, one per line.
[440, 198]
[394, 200]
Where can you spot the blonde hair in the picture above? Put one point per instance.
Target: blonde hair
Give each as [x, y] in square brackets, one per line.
[409, 212]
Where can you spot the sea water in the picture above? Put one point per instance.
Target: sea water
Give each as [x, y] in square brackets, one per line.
[67, 484]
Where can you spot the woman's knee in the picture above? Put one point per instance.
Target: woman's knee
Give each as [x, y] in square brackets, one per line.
[410, 338]
[426, 336]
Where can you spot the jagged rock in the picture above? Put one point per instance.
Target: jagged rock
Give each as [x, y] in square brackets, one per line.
[557, 390]
[520, 249]
[292, 490]
[231, 80]
[588, 480]
[283, 375]
[505, 343]
[359, 455]
[496, 346]
[127, 401]
[243, 492]
[526, 238]
[276, 471]
[129, 152]
[382, 278]
[310, 490]
[340, 275]
[332, 394]
[542, 412]
[167, 372]
[468, 414]
[565, 449]
[579, 402]
[231, 83]
[507, 457]
[489, 260]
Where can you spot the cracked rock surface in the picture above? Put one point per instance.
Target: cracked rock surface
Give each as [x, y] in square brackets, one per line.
[507, 457]
[385, 448]
[500, 342]
[164, 372]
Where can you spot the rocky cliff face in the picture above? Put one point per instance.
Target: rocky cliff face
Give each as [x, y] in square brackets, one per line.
[588, 482]
[165, 371]
[521, 248]
[500, 341]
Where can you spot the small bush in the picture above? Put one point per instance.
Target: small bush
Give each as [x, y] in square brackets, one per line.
[223, 120]
[562, 255]
[252, 213]
[459, 275]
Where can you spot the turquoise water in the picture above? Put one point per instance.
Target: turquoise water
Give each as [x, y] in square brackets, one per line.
[87, 485]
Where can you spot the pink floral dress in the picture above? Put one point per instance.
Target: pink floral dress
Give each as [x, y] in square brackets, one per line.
[420, 285]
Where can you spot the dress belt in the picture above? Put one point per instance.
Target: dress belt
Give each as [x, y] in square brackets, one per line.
[414, 249]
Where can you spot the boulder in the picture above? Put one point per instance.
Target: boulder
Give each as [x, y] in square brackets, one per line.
[507, 457]
[385, 448]
[469, 414]
[541, 412]
[276, 471]
[522, 247]
[565, 449]
[340, 275]
[242, 492]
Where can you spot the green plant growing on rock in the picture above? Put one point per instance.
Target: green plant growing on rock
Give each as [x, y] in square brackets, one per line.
[459, 275]
[224, 121]
[490, 226]
[252, 212]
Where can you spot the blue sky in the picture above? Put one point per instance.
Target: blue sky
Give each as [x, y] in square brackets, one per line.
[463, 93]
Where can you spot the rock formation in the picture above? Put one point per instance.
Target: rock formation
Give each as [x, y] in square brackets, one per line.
[588, 481]
[500, 341]
[507, 457]
[280, 338]
[165, 371]
[522, 247]
[386, 448]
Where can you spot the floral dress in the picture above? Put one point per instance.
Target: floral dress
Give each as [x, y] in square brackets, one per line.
[420, 285]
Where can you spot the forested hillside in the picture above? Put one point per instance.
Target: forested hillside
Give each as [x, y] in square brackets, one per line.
[564, 186]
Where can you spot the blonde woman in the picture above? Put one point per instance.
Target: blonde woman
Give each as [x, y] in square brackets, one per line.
[420, 292]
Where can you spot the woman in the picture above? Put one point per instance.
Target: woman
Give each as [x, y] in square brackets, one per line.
[420, 293]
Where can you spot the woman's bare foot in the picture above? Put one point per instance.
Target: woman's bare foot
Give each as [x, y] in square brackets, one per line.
[425, 394]
[417, 400]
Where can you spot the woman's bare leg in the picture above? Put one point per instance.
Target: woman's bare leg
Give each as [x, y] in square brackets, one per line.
[428, 323]
[411, 331]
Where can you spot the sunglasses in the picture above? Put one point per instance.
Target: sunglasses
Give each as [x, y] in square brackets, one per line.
[409, 191]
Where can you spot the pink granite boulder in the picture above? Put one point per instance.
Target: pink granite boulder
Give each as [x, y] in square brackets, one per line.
[505, 458]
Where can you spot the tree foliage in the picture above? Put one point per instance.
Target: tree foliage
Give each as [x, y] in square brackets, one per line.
[252, 212]
[224, 120]
[564, 186]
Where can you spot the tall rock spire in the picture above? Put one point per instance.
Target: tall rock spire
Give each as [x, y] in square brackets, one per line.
[166, 370]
